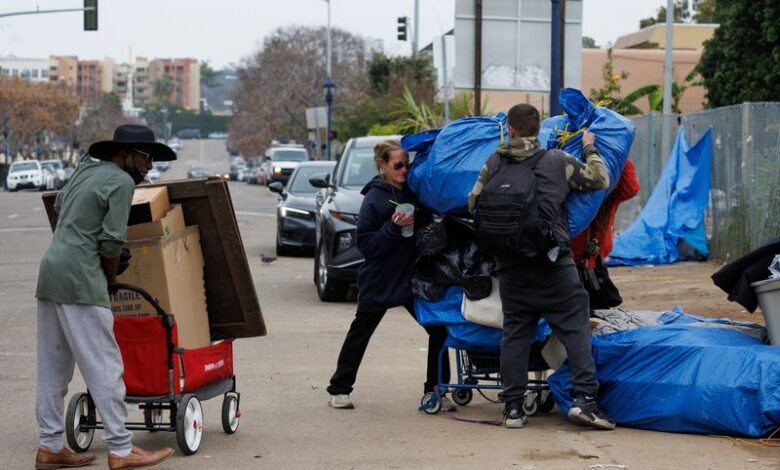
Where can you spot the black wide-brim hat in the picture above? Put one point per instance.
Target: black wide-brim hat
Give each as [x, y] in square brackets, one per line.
[132, 135]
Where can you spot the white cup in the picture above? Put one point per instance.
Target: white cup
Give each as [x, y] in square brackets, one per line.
[405, 209]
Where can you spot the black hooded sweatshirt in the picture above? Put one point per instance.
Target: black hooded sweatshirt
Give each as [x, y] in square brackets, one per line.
[385, 277]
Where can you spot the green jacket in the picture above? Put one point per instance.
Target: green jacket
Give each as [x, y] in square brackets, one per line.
[93, 209]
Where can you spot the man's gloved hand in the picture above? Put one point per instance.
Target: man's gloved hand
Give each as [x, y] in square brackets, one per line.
[124, 261]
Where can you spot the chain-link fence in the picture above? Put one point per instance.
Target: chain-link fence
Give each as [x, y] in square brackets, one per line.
[744, 206]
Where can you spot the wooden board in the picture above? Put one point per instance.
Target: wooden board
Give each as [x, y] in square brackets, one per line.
[231, 299]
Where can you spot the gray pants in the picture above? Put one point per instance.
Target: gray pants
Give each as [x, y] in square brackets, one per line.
[83, 335]
[555, 293]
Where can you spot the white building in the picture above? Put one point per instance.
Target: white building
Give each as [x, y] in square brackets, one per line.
[34, 70]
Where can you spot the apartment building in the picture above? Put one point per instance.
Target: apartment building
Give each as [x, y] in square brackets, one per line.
[34, 70]
[185, 80]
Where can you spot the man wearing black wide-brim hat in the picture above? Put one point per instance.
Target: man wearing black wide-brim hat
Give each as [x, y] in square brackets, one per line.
[75, 323]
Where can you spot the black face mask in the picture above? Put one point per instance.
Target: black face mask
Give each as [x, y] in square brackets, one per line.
[138, 178]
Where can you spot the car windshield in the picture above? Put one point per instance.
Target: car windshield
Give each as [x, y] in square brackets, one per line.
[199, 169]
[55, 165]
[291, 155]
[26, 166]
[48, 166]
[300, 182]
[360, 168]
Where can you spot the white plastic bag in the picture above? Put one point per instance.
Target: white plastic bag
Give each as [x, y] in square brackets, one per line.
[485, 311]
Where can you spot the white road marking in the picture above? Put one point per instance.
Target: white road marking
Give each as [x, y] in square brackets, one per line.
[24, 229]
[37, 209]
[256, 214]
[13, 216]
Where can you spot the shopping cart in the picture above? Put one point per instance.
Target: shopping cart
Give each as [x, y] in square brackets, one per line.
[166, 382]
[478, 361]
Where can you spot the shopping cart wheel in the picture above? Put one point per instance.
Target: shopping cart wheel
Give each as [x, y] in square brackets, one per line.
[153, 417]
[189, 424]
[531, 404]
[230, 413]
[79, 439]
[462, 396]
[430, 403]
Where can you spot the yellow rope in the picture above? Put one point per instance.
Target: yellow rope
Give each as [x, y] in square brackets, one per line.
[770, 441]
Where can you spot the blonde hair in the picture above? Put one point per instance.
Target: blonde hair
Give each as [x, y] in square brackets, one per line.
[382, 152]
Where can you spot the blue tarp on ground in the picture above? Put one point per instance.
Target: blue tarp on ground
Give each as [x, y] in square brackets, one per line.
[674, 212]
[614, 135]
[448, 161]
[684, 378]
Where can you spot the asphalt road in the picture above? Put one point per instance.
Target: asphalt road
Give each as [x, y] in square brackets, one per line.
[285, 422]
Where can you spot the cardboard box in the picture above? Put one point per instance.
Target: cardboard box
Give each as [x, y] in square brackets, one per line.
[149, 204]
[171, 224]
[171, 270]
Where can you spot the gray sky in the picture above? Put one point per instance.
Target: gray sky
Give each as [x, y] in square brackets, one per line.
[225, 31]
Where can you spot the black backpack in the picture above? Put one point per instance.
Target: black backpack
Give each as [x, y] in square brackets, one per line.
[507, 218]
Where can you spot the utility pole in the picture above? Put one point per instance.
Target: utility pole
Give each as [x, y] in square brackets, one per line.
[557, 40]
[416, 37]
[446, 79]
[668, 65]
[477, 57]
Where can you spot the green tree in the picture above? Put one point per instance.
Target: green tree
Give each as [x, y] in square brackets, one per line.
[208, 76]
[163, 88]
[681, 15]
[741, 62]
[704, 11]
[589, 43]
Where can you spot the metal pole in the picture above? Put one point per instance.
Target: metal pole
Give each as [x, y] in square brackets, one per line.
[555, 58]
[478, 57]
[446, 82]
[39, 12]
[416, 37]
[328, 93]
[667, 109]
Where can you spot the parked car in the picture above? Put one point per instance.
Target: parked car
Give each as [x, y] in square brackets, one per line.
[69, 172]
[263, 172]
[337, 258]
[54, 174]
[174, 144]
[25, 174]
[197, 171]
[162, 166]
[218, 135]
[295, 228]
[237, 166]
[284, 159]
[154, 175]
[188, 134]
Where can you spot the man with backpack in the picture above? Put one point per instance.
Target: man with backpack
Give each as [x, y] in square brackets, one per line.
[520, 218]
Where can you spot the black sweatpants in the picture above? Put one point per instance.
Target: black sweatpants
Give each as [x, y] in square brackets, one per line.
[356, 342]
[555, 293]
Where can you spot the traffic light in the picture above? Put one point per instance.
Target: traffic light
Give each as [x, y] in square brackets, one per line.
[403, 27]
[90, 15]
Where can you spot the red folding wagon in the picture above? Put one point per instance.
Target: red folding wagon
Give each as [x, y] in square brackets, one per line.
[165, 381]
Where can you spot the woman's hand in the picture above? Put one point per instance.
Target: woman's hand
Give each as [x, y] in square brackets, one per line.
[401, 219]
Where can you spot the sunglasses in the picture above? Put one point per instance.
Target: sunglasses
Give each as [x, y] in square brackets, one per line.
[147, 156]
[398, 165]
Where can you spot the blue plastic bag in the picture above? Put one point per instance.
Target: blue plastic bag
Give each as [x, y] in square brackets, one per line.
[445, 310]
[614, 135]
[674, 211]
[443, 174]
[681, 378]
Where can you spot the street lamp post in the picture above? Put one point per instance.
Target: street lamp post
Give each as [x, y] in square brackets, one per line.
[328, 85]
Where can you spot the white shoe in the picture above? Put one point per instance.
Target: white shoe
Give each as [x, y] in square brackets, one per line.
[341, 402]
[448, 405]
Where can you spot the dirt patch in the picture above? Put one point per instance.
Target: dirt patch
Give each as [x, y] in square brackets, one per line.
[686, 284]
[561, 455]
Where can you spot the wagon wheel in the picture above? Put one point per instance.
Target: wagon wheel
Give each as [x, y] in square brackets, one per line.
[189, 424]
[78, 414]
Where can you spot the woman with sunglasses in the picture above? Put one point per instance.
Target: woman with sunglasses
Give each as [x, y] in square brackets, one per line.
[384, 278]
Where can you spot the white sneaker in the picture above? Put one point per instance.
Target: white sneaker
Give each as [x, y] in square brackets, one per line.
[448, 405]
[341, 401]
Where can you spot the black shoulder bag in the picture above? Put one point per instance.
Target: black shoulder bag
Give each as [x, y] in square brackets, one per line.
[602, 292]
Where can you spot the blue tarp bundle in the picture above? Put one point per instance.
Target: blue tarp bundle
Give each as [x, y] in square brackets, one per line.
[675, 210]
[684, 378]
[448, 161]
[614, 135]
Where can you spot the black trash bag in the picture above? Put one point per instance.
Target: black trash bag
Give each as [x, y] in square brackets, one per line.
[431, 240]
[463, 264]
[426, 284]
